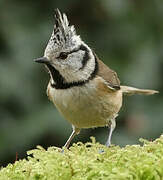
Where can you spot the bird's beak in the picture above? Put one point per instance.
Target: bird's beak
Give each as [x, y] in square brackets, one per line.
[43, 60]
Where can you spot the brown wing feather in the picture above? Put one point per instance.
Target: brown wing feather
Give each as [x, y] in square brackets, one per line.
[108, 75]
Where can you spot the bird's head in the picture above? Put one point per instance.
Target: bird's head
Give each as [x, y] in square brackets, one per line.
[66, 56]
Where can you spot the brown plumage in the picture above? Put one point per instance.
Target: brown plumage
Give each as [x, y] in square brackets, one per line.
[111, 78]
[108, 75]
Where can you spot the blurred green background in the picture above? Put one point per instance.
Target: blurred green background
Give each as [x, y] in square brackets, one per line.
[127, 35]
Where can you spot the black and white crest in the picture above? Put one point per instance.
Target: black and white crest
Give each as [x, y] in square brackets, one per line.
[62, 31]
[63, 36]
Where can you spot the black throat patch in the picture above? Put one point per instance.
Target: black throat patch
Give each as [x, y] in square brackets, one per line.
[60, 82]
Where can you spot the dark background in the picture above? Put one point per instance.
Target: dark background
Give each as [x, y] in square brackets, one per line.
[127, 35]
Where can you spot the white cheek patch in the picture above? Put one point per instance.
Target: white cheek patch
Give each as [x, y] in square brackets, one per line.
[72, 63]
[75, 60]
[72, 72]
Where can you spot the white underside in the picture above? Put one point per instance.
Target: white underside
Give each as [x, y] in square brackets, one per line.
[85, 107]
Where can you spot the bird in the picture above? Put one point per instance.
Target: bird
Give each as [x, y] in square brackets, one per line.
[84, 90]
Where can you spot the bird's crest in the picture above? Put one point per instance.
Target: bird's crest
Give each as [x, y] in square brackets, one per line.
[63, 33]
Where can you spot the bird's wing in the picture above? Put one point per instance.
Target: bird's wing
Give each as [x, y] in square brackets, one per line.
[108, 75]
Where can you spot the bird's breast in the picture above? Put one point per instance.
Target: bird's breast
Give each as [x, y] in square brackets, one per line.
[86, 106]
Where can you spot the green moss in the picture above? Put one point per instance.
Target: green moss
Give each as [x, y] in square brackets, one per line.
[83, 161]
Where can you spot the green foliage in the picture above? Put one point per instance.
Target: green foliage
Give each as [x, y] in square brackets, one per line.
[83, 161]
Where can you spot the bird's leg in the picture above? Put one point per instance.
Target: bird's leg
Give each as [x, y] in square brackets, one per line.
[112, 127]
[73, 134]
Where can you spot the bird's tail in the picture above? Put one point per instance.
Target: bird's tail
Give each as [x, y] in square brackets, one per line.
[127, 90]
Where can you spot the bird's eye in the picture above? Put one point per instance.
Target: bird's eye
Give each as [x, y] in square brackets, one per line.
[63, 55]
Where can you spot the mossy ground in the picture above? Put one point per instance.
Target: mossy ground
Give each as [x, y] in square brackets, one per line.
[85, 162]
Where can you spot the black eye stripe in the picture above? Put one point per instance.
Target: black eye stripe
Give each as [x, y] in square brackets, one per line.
[81, 47]
[84, 48]
[85, 60]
